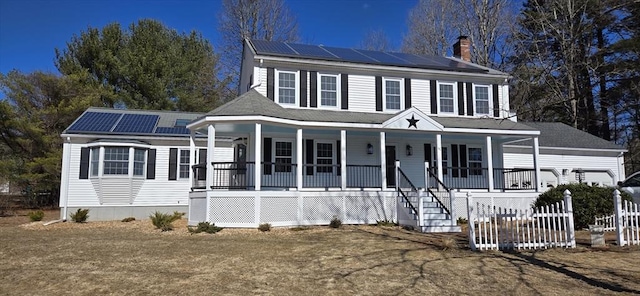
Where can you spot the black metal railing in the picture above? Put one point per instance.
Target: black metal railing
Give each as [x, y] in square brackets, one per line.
[363, 176]
[514, 179]
[461, 178]
[440, 191]
[233, 175]
[409, 192]
[278, 175]
[199, 176]
[321, 176]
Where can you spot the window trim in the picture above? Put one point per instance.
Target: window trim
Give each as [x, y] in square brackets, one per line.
[333, 156]
[95, 165]
[128, 162]
[489, 100]
[144, 162]
[180, 164]
[454, 98]
[338, 90]
[384, 94]
[274, 156]
[296, 87]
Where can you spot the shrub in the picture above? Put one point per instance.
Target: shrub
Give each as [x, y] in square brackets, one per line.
[128, 219]
[335, 222]
[204, 227]
[163, 221]
[80, 216]
[36, 215]
[264, 227]
[386, 222]
[462, 221]
[588, 202]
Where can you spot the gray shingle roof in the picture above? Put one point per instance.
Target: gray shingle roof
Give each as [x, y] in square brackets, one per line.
[254, 103]
[557, 134]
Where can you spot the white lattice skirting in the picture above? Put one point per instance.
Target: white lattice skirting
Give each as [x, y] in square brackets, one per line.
[292, 208]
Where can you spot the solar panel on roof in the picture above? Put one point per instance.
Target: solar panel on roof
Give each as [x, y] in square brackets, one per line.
[419, 60]
[95, 122]
[272, 47]
[385, 58]
[349, 55]
[173, 130]
[312, 51]
[136, 123]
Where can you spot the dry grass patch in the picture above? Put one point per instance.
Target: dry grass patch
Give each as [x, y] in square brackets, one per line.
[135, 258]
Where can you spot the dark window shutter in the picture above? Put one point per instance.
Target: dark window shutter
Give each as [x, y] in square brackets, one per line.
[84, 163]
[270, 84]
[461, 98]
[303, 88]
[309, 156]
[338, 157]
[378, 93]
[434, 96]
[407, 93]
[202, 159]
[266, 156]
[454, 160]
[470, 99]
[151, 164]
[173, 163]
[463, 161]
[313, 89]
[344, 90]
[496, 109]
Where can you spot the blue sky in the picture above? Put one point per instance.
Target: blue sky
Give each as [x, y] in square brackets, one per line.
[31, 29]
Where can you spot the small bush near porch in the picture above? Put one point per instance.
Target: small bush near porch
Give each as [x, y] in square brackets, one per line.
[98, 258]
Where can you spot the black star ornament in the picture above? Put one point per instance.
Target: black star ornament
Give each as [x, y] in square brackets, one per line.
[412, 122]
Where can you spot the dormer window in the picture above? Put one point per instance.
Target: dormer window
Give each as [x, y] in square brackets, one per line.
[329, 90]
[446, 97]
[286, 88]
[393, 95]
[482, 99]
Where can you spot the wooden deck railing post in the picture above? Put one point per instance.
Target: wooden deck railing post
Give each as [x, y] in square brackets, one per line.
[571, 236]
[617, 203]
[470, 221]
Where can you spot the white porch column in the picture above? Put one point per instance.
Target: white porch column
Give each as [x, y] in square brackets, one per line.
[536, 162]
[192, 156]
[258, 157]
[343, 159]
[439, 157]
[299, 166]
[64, 177]
[211, 146]
[489, 163]
[383, 160]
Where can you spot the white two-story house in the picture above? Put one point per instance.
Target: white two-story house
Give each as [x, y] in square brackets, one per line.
[320, 132]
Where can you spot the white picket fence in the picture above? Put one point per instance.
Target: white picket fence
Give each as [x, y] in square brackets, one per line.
[495, 228]
[626, 221]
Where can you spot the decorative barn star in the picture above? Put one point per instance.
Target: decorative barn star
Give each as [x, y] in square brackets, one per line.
[412, 122]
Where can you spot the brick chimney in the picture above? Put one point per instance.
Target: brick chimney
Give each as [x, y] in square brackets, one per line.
[462, 48]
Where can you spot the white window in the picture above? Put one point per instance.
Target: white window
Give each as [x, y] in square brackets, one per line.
[116, 161]
[329, 90]
[184, 164]
[393, 94]
[446, 98]
[324, 157]
[482, 99]
[139, 156]
[95, 161]
[283, 157]
[475, 161]
[286, 87]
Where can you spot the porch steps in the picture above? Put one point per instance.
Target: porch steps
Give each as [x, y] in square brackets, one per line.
[435, 219]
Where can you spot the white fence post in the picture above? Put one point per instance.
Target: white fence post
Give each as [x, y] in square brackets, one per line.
[426, 174]
[421, 194]
[470, 222]
[617, 203]
[452, 197]
[571, 236]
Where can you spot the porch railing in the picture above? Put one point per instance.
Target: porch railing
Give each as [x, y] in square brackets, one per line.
[514, 179]
[439, 191]
[240, 176]
[478, 178]
[409, 192]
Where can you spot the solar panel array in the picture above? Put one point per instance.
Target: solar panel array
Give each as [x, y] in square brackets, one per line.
[95, 122]
[176, 130]
[361, 56]
[136, 123]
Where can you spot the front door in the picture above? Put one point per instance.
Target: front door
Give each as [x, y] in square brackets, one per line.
[391, 165]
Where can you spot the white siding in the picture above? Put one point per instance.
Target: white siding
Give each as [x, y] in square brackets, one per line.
[421, 95]
[362, 93]
[260, 77]
[135, 192]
